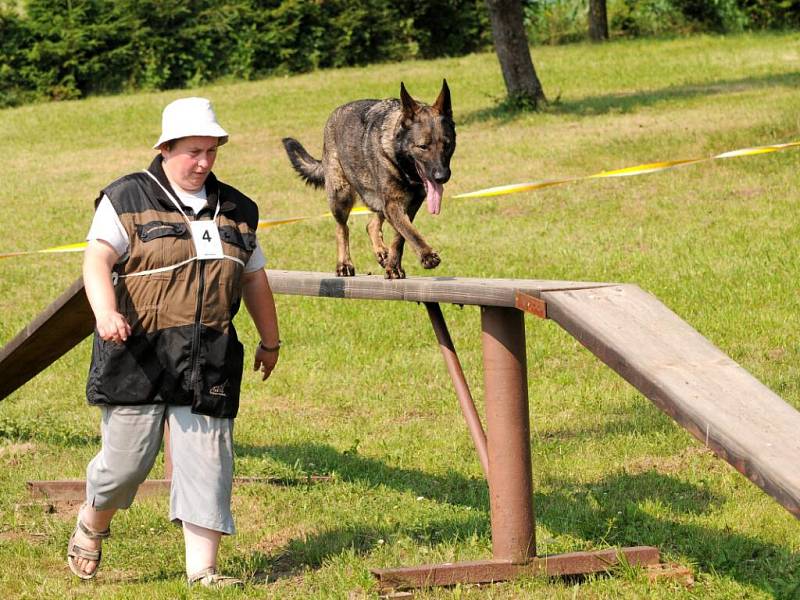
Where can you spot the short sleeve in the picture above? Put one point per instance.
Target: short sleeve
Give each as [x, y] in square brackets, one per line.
[107, 227]
[257, 260]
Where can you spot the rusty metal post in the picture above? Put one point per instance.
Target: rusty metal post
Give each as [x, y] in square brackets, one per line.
[508, 434]
[460, 383]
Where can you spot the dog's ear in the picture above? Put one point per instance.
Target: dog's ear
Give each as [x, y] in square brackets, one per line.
[442, 104]
[410, 106]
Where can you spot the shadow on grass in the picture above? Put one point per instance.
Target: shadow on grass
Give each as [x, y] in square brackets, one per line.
[451, 488]
[634, 418]
[610, 512]
[312, 551]
[628, 102]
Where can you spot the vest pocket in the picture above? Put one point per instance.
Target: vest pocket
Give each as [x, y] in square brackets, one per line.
[244, 240]
[222, 362]
[158, 229]
[237, 244]
[160, 247]
[128, 373]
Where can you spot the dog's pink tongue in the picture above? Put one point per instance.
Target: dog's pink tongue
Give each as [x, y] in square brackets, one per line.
[434, 196]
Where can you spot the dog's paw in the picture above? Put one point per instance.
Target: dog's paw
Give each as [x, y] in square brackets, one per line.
[345, 270]
[430, 260]
[395, 272]
[382, 257]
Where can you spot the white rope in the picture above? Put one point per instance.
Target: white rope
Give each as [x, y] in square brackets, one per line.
[176, 266]
[116, 276]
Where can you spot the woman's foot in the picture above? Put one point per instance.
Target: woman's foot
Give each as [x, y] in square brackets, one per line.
[210, 578]
[84, 549]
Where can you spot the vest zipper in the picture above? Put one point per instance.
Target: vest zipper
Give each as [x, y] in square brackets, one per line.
[198, 313]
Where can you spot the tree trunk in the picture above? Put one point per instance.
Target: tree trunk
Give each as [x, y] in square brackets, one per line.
[513, 52]
[598, 20]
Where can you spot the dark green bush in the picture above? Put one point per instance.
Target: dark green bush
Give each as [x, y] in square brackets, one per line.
[559, 21]
[69, 48]
[771, 14]
[721, 16]
[60, 49]
[16, 69]
[78, 47]
[640, 18]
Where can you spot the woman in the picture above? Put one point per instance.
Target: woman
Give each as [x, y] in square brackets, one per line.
[171, 253]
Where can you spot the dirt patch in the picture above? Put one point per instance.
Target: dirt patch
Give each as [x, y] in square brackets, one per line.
[776, 354]
[18, 449]
[283, 568]
[512, 211]
[16, 536]
[667, 464]
[274, 543]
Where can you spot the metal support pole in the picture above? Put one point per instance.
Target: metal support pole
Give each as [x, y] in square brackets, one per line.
[460, 384]
[508, 434]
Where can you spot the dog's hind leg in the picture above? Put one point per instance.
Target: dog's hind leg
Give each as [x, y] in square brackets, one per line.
[341, 202]
[375, 232]
[341, 198]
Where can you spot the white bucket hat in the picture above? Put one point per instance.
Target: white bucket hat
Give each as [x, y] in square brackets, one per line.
[188, 117]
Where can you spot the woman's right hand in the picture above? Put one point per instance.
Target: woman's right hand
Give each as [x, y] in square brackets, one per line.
[113, 327]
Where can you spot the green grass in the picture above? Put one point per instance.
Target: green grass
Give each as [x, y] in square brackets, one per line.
[361, 393]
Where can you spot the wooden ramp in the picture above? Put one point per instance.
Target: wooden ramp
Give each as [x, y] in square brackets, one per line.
[668, 361]
[691, 380]
[58, 328]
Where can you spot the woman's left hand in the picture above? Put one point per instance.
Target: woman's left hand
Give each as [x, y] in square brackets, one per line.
[266, 361]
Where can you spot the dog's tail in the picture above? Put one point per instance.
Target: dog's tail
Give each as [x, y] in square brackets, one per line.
[309, 168]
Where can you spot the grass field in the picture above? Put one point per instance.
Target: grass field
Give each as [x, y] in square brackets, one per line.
[361, 393]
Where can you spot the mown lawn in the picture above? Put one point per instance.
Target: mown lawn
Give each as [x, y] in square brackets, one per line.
[361, 394]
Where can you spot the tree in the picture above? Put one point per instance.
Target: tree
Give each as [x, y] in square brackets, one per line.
[598, 20]
[513, 52]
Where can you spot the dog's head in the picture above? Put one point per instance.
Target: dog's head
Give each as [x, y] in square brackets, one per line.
[428, 137]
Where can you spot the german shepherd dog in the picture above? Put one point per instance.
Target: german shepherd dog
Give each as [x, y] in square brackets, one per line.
[393, 154]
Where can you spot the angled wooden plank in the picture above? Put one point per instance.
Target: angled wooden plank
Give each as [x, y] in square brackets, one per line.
[451, 290]
[57, 329]
[691, 380]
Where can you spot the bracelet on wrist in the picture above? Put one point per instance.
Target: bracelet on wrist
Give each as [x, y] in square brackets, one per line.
[274, 348]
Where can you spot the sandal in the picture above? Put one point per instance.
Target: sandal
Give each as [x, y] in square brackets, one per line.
[75, 551]
[211, 579]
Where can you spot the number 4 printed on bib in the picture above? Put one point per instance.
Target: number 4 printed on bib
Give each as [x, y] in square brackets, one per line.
[207, 243]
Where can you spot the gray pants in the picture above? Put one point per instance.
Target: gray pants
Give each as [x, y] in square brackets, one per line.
[202, 462]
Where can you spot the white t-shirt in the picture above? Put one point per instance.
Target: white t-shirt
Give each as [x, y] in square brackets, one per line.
[107, 227]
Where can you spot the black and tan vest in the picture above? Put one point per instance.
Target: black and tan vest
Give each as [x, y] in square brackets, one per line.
[183, 348]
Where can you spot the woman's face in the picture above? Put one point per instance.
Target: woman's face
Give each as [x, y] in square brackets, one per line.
[190, 160]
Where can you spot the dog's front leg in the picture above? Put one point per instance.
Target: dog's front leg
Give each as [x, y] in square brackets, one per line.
[401, 221]
[393, 268]
[375, 232]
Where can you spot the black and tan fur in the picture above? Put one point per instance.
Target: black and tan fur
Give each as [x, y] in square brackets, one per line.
[393, 154]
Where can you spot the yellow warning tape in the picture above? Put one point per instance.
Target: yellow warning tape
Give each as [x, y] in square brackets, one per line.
[262, 224]
[644, 169]
[360, 210]
[77, 247]
[500, 190]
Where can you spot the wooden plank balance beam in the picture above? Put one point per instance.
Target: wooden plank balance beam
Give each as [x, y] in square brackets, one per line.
[685, 375]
